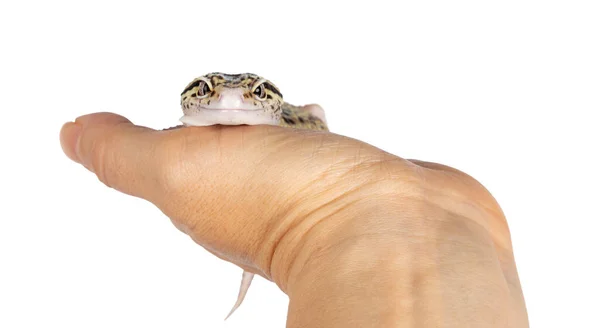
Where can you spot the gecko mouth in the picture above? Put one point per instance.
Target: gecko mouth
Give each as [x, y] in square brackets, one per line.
[206, 116]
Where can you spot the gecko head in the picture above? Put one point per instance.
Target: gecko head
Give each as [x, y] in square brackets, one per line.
[231, 99]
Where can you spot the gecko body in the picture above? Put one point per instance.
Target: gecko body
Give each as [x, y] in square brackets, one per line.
[244, 99]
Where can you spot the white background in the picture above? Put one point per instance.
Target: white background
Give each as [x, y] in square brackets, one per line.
[507, 91]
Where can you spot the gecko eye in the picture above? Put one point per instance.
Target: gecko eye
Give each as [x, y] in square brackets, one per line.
[259, 92]
[203, 90]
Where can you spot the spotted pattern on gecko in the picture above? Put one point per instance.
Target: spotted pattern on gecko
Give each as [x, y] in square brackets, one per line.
[234, 99]
[244, 99]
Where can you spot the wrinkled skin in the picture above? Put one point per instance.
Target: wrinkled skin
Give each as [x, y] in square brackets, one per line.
[355, 236]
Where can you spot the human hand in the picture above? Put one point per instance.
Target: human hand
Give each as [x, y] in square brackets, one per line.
[354, 235]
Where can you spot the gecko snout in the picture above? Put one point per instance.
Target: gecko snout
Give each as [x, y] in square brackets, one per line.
[232, 98]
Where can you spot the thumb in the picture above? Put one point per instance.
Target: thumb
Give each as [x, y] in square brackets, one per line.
[120, 153]
[206, 190]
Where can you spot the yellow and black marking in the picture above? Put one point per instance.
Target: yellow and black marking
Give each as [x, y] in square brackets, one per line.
[296, 117]
[205, 89]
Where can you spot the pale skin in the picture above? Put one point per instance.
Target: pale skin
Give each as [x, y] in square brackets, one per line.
[355, 236]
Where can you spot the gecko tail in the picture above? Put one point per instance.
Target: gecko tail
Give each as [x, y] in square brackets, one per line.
[246, 281]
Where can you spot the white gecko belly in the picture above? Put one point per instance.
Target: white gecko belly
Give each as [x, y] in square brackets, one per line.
[205, 117]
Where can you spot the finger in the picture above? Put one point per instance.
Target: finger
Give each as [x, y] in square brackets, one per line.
[117, 151]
